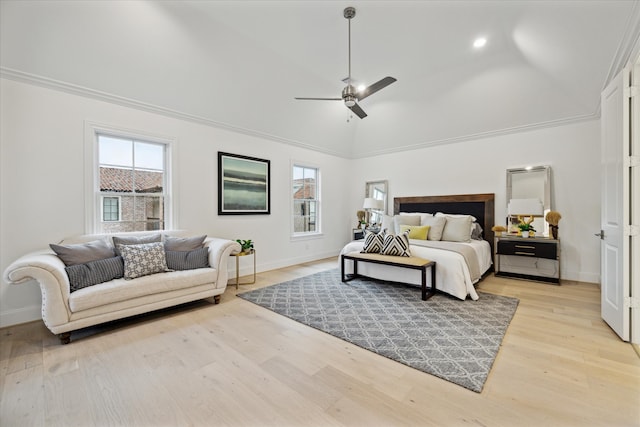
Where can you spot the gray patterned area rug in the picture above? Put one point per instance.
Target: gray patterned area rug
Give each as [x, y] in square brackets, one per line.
[444, 336]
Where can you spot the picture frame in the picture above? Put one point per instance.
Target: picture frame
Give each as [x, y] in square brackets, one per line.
[244, 185]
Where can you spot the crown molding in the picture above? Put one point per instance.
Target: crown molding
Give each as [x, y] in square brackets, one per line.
[46, 82]
[73, 89]
[485, 135]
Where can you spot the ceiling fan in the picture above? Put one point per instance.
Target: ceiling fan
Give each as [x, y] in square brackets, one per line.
[349, 94]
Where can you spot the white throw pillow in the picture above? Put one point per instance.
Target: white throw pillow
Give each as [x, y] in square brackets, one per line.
[457, 229]
[399, 220]
[436, 224]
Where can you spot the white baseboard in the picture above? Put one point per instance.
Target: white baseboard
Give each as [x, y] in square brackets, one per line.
[20, 315]
[581, 276]
[246, 267]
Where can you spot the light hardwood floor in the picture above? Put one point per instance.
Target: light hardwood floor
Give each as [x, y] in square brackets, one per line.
[238, 364]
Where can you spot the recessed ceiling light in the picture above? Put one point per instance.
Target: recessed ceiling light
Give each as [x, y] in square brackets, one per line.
[479, 42]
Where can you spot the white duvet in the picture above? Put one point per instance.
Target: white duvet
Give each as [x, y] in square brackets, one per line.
[452, 272]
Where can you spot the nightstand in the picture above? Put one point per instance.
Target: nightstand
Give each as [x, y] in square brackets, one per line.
[533, 258]
[357, 234]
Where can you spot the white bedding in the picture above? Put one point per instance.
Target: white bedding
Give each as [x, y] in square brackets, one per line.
[452, 272]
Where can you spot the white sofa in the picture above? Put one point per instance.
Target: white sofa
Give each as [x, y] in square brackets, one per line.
[64, 311]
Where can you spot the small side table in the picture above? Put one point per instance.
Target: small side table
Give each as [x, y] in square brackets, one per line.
[241, 254]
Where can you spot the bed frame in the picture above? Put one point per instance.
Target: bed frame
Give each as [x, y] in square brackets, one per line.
[479, 205]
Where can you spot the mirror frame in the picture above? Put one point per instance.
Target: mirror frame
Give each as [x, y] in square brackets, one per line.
[369, 185]
[547, 190]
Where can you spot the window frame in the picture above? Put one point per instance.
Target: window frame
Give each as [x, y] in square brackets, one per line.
[318, 201]
[93, 196]
[102, 199]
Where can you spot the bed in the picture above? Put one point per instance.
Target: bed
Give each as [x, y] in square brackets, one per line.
[460, 265]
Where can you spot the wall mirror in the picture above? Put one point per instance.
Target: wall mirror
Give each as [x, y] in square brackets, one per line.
[529, 189]
[377, 190]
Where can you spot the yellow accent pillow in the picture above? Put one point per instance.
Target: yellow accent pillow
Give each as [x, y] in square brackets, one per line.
[415, 231]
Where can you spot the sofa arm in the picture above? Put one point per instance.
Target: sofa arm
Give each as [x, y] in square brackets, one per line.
[219, 252]
[48, 270]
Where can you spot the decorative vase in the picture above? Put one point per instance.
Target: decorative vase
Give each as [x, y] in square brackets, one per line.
[524, 234]
[554, 231]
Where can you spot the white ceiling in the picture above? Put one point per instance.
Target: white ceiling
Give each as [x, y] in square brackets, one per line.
[239, 64]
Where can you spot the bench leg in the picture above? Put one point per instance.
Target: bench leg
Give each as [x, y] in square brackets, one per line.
[432, 290]
[343, 276]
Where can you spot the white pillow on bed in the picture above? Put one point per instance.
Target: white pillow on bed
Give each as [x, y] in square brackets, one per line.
[457, 229]
[436, 224]
[399, 220]
[473, 218]
[388, 223]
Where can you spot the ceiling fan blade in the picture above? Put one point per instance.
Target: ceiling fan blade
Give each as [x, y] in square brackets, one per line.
[359, 111]
[320, 99]
[380, 84]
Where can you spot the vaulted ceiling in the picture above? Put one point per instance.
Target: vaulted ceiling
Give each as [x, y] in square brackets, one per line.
[239, 64]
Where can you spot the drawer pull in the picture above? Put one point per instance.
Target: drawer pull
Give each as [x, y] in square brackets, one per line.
[524, 247]
[524, 253]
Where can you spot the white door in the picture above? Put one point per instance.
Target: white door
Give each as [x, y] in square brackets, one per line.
[614, 248]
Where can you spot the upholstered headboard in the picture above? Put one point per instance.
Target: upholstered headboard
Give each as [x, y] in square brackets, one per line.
[479, 205]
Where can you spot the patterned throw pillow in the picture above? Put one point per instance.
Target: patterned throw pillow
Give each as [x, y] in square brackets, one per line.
[135, 240]
[396, 245]
[188, 260]
[144, 259]
[373, 242]
[94, 272]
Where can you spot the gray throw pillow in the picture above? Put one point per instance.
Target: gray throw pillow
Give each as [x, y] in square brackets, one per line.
[82, 253]
[135, 240]
[437, 224]
[183, 243]
[142, 260]
[94, 272]
[187, 260]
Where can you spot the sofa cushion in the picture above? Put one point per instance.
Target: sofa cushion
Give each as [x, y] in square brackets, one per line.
[94, 272]
[121, 290]
[187, 260]
[135, 240]
[82, 253]
[142, 260]
[183, 243]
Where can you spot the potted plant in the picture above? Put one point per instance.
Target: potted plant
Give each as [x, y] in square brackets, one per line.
[526, 229]
[247, 245]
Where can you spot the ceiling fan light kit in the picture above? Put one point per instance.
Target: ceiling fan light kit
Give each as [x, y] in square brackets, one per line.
[350, 95]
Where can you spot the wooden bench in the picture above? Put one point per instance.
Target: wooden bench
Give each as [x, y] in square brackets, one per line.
[414, 263]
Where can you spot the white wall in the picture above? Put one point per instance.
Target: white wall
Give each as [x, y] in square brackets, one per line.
[42, 143]
[479, 166]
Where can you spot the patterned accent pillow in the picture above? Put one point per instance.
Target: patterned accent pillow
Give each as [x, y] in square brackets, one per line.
[144, 259]
[396, 245]
[94, 272]
[135, 240]
[373, 242]
[188, 260]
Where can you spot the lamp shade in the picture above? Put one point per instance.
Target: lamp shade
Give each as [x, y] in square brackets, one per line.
[371, 203]
[525, 207]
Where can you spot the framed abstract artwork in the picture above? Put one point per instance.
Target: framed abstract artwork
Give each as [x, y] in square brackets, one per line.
[244, 186]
